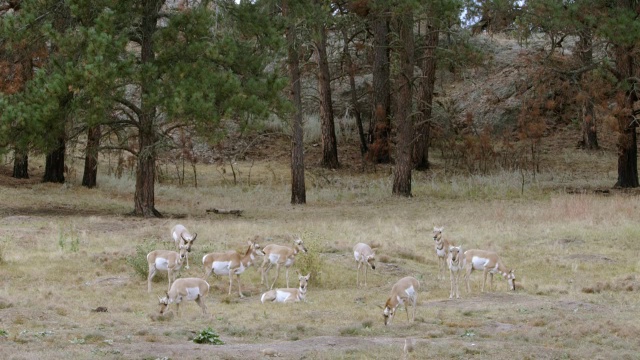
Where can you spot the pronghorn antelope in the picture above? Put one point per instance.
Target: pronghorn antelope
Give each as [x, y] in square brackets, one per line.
[366, 256]
[490, 263]
[442, 249]
[185, 289]
[406, 289]
[456, 264]
[182, 236]
[279, 255]
[230, 263]
[165, 260]
[288, 295]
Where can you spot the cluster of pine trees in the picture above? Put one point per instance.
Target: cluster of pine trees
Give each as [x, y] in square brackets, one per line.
[127, 74]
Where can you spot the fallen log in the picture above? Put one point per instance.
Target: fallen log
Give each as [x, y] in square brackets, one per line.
[225, 211]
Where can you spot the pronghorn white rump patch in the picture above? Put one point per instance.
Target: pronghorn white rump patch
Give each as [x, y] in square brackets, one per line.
[192, 293]
[162, 264]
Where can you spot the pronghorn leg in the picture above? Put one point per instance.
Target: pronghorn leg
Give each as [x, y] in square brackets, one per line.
[230, 280]
[169, 273]
[177, 309]
[286, 268]
[239, 285]
[451, 278]
[415, 300]
[467, 275]
[406, 307]
[366, 270]
[265, 275]
[187, 256]
[358, 275]
[490, 282]
[484, 279]
[200, 303]
[277, 275]
[152, 273]
[457, 278]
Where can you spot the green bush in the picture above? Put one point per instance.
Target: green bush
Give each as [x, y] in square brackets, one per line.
[208, 336]
[311, 262]
[138, 261]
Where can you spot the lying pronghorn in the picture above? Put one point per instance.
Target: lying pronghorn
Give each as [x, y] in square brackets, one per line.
[165, 260]
[185, 289]
[404, 290]
[230, 263]
[442, 249]
[288, 295]
[182, 236]
[490, 263]
[279, 255]
[364, 254]
[456, 265]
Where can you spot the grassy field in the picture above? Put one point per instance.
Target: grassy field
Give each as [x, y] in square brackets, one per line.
[66, 250]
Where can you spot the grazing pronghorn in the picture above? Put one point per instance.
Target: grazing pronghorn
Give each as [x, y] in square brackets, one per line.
[165, 260]
[230, 263]
[442, 249]
[456, 265]
[288, 295]
[489, 263]
[366, 256]
[182, 236]
[279, 255]
[406, 289]
[185, 289]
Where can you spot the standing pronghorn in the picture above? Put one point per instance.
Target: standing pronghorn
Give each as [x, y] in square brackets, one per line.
[279, 255]
[488, 262]
[185, 289]
[230, 263]
[442, 249]
[165, 260]
[182, 236]
[366, 256]
[288, 295]
[456, 265]
[406, 289]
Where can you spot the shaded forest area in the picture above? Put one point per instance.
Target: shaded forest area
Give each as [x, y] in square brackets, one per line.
[479, 82]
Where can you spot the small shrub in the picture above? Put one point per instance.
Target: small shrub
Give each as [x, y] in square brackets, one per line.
[3, 333]
[311, 262]
[138, 261]
[208, 336]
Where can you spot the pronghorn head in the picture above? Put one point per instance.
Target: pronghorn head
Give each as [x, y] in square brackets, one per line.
[303, 281]
[164, 303]
[254, 248]
[455, 252]
[371, 260]
[511, 279]
[183, 252]
[389, 311]
[188, 241]
[299, 245]
[437, 233]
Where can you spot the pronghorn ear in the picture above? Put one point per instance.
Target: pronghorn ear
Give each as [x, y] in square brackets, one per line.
[194, 238]
[308, 276]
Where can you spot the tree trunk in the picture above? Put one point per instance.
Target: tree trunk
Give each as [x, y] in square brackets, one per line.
[298, 192]
[20, 163]
[90, 175]
[351, 70]
[425, 101]
[406, 57]
[626, 65]
[144, 196]
[584, 51]
[329, 142]
[54, 164]
[380, 126]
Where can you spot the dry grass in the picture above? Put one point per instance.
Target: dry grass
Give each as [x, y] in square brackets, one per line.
[64, 252]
